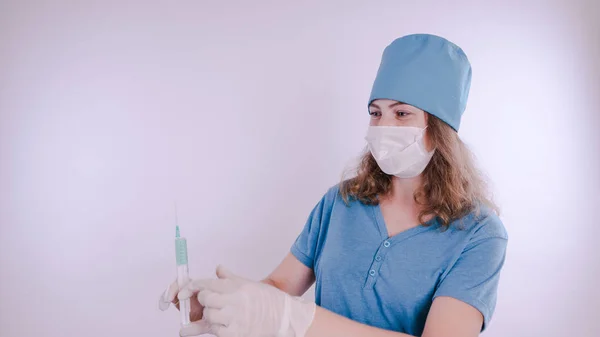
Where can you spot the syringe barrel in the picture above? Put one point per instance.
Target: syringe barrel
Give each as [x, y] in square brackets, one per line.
[182, 277]
[184, 305]
[181, 251]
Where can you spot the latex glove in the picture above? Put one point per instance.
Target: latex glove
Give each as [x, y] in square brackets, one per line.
[237, 307]
[198, 326]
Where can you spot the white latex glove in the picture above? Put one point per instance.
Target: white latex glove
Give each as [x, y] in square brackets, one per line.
[199, 325]
[237, 307]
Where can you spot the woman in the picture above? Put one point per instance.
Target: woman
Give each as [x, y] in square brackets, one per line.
[411, 246]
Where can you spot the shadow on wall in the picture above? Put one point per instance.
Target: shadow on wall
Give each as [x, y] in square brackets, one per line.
[590, 31]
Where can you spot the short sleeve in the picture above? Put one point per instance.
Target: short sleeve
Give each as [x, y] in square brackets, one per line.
[306, 247]
[474, 277]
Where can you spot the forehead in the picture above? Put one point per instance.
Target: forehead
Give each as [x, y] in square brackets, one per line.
[389, 103]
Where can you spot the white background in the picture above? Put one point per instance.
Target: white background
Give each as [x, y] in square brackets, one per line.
[246, 113]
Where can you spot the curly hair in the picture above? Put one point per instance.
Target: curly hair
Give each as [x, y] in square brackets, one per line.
[452, 186]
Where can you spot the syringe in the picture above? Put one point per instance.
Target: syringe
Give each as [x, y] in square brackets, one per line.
[182, 274]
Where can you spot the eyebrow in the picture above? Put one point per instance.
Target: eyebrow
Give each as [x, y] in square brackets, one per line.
[390, 106]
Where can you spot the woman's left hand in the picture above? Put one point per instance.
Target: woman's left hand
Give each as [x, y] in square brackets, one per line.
[235, 306]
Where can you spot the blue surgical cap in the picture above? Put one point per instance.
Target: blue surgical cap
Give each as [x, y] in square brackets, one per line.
[428, 72]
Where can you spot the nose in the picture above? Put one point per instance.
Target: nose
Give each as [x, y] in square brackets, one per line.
[387, 120]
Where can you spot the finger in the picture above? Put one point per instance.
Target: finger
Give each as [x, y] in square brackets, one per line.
[224, 273]
[168, 296]
[194, 329]
[217, 316]
[209, 299]
[171, 291]
[191, 288]
[195, 309]
[218, 286]
[223, 331]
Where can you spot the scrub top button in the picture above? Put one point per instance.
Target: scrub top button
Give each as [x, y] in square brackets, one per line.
[378, 258]
[386, 244]
[372, 272]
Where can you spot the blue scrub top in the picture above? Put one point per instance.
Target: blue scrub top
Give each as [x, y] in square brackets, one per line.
[390, 282]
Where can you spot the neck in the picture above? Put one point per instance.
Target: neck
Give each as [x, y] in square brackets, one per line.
[403, 189]
[400, 207]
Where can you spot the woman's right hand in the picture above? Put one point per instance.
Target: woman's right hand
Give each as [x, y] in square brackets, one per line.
[170, 296]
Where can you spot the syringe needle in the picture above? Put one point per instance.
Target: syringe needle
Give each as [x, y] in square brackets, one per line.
[176, 215]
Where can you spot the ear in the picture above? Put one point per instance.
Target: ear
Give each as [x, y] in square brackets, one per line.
[428, 137]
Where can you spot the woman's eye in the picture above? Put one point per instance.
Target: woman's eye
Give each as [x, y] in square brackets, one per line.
[402, 113]
[374, 113]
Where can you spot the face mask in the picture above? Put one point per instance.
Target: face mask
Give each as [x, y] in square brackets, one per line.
[399, 150]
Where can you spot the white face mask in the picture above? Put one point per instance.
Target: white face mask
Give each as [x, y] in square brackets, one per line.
[399, 150]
